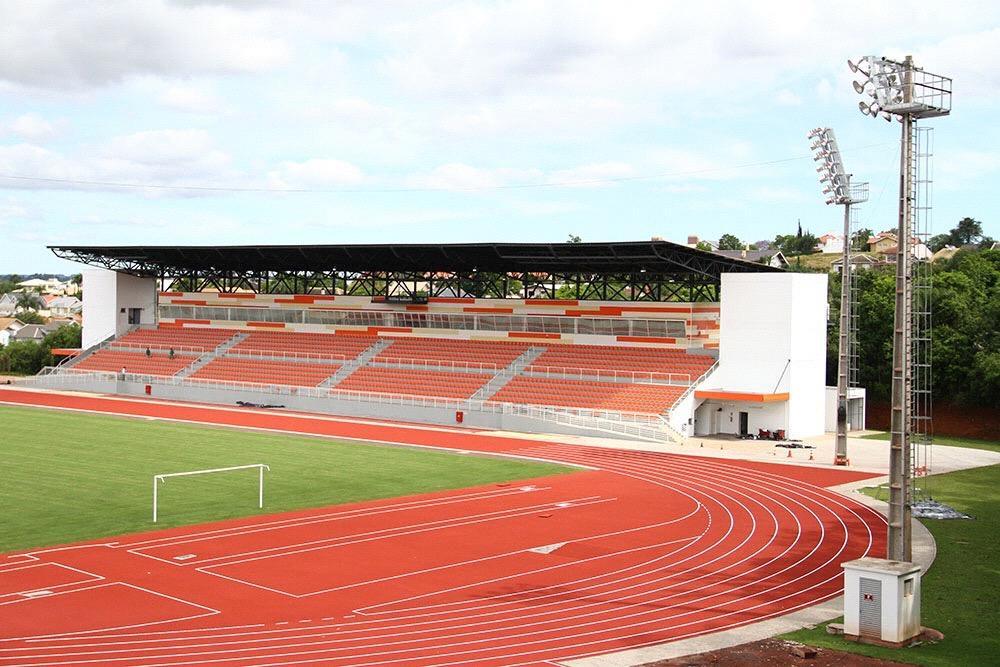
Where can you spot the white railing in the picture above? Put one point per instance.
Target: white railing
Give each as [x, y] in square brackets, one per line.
[67, 376]
[605, 375]
[415, 363]
[650, 430]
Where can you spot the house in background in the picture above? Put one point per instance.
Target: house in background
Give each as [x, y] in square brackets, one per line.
[50, 286]
[34, 332]
[884, 243]
[830, 242]
[773, 258]
[859, 262]
[8, 327]
[8, 303]
[881, 242]
[65, 306]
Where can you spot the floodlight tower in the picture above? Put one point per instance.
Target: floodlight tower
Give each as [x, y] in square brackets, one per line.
[839, 189]
[908, 93]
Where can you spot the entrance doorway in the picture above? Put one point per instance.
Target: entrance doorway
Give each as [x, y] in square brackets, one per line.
[744, 423]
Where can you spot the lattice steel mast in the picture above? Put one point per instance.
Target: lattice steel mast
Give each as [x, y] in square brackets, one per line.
[840, 190]
[902, 90]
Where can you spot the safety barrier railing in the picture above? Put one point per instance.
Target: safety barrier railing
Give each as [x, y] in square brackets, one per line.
[624, 420]
[415, 363]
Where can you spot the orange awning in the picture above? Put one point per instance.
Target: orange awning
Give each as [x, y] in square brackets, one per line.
[64, 352]
[751, 397]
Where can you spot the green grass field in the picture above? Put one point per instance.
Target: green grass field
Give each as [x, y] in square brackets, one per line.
[67, 476]
[959, 591]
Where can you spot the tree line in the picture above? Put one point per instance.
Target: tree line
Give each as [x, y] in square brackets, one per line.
[26, 357]
[965, 329]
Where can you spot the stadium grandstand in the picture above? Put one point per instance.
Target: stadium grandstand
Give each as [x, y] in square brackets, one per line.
[649, 340]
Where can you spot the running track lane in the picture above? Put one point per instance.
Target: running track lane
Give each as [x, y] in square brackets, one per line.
[644, 549]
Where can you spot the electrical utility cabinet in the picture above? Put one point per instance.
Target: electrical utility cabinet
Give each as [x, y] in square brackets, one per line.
[881, 601]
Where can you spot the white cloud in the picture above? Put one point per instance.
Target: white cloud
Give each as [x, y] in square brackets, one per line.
[32, 127]
[599, 174]
[314, 173]
[63, 44]
[787, 98]
[170, 157]
[458, 176]
[13, 210]
[191, 99]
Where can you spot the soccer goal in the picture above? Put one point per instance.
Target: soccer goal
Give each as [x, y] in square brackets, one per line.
[161, 478]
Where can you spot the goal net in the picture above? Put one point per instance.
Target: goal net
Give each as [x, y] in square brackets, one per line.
[163, 477]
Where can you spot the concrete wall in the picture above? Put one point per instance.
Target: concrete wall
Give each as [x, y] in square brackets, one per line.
[107, 297]
[332, 406]
[773, 340]
[713, 417]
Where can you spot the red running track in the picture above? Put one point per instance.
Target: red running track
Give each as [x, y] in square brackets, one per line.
[642, 548]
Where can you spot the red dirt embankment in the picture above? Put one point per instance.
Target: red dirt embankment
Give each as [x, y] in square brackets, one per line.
[961, 422]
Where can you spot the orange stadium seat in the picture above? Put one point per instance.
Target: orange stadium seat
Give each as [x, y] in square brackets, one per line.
[204, 340]
[616, 396]
[494, 353]
[134, 362]
[414, 382]
[260, 371]
[336, 346]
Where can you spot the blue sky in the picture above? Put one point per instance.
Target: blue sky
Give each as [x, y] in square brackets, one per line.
[465, 121]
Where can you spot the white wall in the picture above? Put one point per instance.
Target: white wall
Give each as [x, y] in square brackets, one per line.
[856, 397]
[773, 340]
[105, 295]
[769, 416]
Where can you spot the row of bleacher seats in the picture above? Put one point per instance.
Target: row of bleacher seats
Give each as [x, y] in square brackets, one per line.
[617, 396]
[204, 340]
[310, 372]
[497, 353]
[261, 371]
[135, 362]
[608, 357]
[414, 382]
[334, 345]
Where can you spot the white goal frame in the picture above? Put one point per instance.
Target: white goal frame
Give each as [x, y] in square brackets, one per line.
[161, 478]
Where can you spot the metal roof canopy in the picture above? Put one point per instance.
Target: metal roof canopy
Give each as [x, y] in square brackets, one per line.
[591, 266]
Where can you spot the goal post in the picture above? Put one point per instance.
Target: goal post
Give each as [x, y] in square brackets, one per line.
[161, 478]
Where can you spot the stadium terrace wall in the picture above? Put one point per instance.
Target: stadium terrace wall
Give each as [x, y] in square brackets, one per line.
[693, 326]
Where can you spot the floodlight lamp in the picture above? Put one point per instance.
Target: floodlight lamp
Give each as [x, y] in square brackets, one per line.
[857, 68]
[831, 200]
[864, 108]
[858, 87]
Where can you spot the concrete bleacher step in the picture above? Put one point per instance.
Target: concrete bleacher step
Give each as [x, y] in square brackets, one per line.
[201, 361]
[505, 375]
[348, 367]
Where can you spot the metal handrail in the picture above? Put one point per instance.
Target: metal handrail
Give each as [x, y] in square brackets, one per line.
[532, 370]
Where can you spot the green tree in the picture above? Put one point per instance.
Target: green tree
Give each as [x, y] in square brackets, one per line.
[30, 317]
[704, 245]
[796, 244]
[968, 231]
[26, 301]
[573, 238]
[859, 240]
[730, 242]
[23, 356]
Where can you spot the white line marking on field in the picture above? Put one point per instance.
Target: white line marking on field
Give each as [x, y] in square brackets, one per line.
[548, 548]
